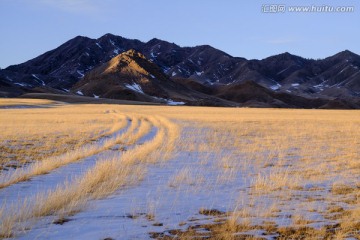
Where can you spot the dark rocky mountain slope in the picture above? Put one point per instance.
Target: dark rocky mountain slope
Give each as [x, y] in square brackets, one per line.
[200, 75]
[131, 76]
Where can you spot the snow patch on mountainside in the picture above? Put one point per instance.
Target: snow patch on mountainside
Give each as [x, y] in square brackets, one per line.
[21, 84]
[343, 69]
[135, 87]
[112, 42]
[282, 71]
[80, 73]
[172, 102]
[41, 81]
[275, 87]
[169, 101]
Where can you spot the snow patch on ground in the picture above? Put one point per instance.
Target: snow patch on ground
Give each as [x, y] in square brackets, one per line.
[199, 73]
[95, 96]
[97, 44]
[135, 87]
[80, 93]
[173, 74]
[295, 84]
[152, 76]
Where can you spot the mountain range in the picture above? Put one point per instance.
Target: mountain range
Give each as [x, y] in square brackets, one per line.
[157, 71]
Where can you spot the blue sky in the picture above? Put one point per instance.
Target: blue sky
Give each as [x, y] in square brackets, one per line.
[32, 27]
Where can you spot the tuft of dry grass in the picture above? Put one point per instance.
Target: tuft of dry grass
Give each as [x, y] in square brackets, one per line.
[342, 189]
[276, 180]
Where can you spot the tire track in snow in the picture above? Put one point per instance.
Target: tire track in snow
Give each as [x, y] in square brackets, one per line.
[45, 184]
[100, 211]
[47, 165]
[21, 190]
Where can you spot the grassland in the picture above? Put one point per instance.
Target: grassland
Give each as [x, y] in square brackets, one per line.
[284, 174]
[30, 133]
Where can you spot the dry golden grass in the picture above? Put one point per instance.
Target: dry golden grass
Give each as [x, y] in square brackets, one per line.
[289, 156]
[186, 176]
[141, 131]
[103, 179]
[276, 180]
[46, 165]
[37, 133]
[292, 153]
[13, 102]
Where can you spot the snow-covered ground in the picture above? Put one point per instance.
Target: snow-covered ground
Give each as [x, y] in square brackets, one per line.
[125, 215]
[41, 183]
[169, 197]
